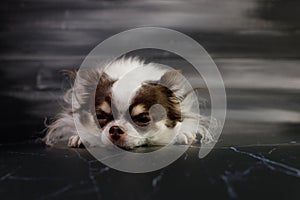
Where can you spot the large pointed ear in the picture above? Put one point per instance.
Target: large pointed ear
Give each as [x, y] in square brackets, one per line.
[87, 82]
[174, 81]
[69, 73]
[104, 84]
[92, 77]
[104, 78]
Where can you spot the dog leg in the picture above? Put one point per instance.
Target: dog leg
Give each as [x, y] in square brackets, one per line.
[74, 141]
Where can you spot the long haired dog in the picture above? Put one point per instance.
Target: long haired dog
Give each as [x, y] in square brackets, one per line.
[130, 104]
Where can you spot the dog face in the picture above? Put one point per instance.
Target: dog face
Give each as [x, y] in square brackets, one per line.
[129, 103]
[149, 115]
[137, 104]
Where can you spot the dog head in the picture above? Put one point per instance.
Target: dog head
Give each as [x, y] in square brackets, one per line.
[136, 107]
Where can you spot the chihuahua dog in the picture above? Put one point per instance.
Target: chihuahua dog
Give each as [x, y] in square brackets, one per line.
[130, 103]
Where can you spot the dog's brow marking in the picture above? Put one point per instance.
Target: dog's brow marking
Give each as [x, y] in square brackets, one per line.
[105, 107]
[138, 110]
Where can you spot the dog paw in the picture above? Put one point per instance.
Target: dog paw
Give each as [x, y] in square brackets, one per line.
[74, 141]
[185, 138]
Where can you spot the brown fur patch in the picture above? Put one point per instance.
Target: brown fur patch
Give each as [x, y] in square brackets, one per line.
[103, 90]
[151, 94]
[103, 100]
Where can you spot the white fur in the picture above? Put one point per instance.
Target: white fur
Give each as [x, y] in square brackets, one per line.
[126, 86]
[130, 74]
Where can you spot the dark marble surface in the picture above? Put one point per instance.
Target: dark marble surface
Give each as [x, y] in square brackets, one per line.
[262, 171]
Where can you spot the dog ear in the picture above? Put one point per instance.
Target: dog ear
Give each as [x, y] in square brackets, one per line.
[69, 73]
[88, 83]
[104, 78]
[174, 81]
[88, 75]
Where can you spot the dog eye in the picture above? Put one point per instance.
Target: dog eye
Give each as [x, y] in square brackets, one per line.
[101, 116]
[142, 121]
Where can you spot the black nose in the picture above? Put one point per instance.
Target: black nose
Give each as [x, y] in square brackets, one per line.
[115, 130]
